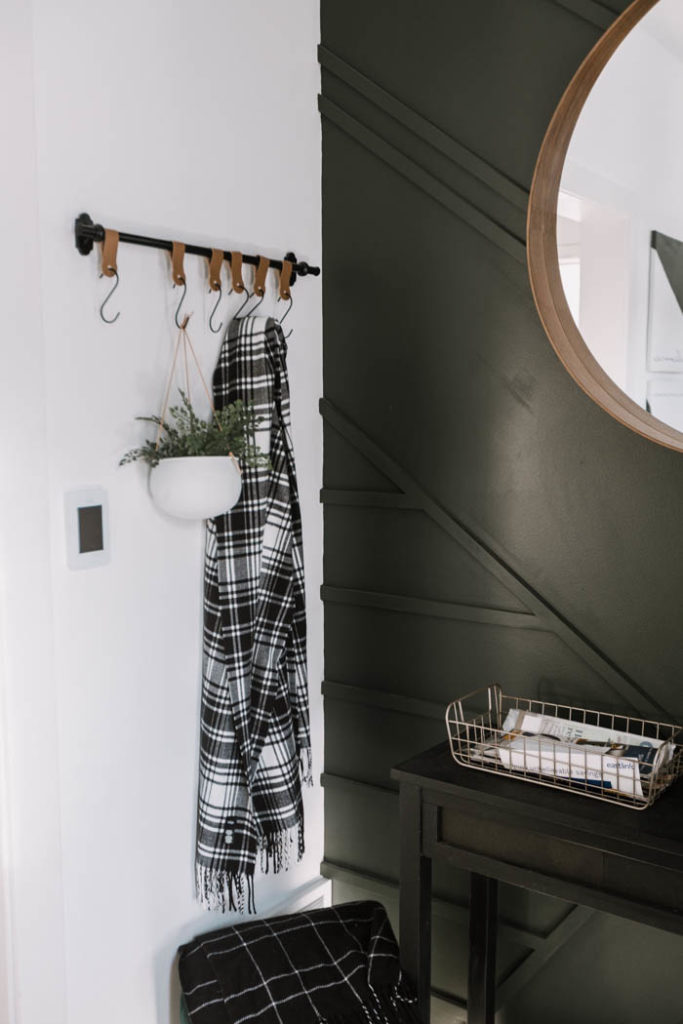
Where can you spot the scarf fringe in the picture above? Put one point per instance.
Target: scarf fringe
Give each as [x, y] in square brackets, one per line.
[225, 890]
[232, 890]
[306, 766]
[277, 848]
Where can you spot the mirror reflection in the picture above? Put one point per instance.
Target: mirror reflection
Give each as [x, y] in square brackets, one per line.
[620, 216]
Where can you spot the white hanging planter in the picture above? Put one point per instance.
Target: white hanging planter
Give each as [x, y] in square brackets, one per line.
[196, 486]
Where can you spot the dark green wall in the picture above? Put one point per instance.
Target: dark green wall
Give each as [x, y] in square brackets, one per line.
[484, 521]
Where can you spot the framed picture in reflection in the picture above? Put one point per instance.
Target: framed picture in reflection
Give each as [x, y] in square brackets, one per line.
[665, 306]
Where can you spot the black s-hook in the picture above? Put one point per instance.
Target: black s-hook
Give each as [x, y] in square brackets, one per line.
[215, 265]
[182, 299]
[216, 330]
[109, 269]
[178, 275]
[109, 295]
[289, 310]
[286, 279]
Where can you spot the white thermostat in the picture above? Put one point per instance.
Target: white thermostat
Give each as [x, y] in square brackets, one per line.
[87, 528]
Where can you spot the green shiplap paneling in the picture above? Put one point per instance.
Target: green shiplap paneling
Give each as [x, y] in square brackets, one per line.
[363, 545]
[462, 65]
[346, 470]
[484, 521]
[634, 969]
[437, 659]
[456, 380]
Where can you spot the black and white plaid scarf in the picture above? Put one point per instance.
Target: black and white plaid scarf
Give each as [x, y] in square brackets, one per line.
[338, 965]
[255, 747]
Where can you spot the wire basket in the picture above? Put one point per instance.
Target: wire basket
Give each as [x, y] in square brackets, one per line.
[615, 758]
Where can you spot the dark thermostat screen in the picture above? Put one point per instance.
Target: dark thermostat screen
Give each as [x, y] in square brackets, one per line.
[90, 533]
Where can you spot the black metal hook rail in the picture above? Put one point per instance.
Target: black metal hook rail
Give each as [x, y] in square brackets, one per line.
[87, 233]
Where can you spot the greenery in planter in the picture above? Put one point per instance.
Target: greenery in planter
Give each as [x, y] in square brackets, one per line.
[229, 431]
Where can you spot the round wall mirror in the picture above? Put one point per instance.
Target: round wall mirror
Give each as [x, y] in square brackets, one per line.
[605, 226]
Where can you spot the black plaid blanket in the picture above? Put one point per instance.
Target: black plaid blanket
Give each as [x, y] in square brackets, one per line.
[339, 965]
[255, 737]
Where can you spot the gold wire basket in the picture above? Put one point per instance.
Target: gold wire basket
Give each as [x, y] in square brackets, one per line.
[615, 758]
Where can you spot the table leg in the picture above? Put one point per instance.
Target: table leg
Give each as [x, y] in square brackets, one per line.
[481, 991]
[415, 914]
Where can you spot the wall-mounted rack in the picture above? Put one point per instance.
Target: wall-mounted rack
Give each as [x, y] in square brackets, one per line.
[87, 233]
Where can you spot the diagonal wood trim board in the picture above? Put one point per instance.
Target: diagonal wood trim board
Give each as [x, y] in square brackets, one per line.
[484, 551]
[594, 13]
[425, 181]
[424, 129]
[433, 609]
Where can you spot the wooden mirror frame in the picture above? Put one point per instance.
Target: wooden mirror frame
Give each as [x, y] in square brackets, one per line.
[542, 254]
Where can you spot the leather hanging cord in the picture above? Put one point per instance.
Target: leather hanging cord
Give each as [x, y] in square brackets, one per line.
[184, 339]
[236, 272]
[260, 276]
[215, 265]
[160, 425]
[285, 278]
[109, 247]
[177, 257]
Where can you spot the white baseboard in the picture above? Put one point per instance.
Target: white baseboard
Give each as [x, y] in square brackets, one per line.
[314, 894]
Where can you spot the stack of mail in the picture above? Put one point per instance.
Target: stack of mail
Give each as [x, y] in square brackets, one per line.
[578, 752]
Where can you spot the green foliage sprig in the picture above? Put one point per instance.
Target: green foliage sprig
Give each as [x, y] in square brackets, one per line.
[230, 430]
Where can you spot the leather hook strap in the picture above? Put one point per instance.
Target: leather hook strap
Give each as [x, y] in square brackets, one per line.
[236, 272]
[215, 265]
[177, 257]
[285, 278]
[109, 247]
[260, 276]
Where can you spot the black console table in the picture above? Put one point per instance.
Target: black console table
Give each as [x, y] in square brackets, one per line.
[610, 858]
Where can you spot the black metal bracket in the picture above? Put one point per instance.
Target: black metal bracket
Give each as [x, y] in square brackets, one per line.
[87, 233]
[85, 238]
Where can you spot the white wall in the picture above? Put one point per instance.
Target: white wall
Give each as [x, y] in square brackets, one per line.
[194, 121]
